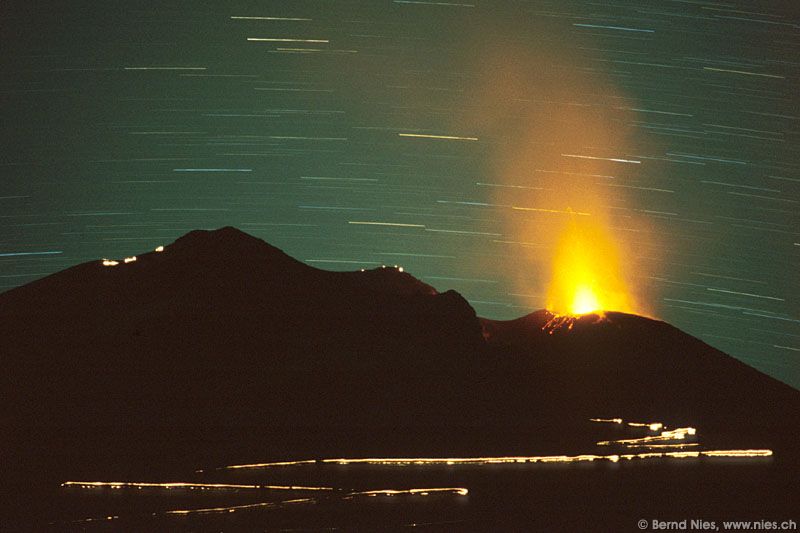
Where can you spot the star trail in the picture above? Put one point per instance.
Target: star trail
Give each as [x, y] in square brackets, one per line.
[452, 139]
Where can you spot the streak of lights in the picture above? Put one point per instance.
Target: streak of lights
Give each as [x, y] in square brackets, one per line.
[269, 18]
[614, 159]
[737, 453]
[654, 426]
[365, 223]
[296, 138]
[642, 110]
[301, 50]
[16, 254]
[164, 68]
[293, 90]
[746, 294]
[445, 137]
[560, 211]
[284, 40]
[130, 259]
[638, 188]
[422, 492]
[326, 178]
[653, 443]
[234, 508]
[268, 465]
[672, 434]
[110, 262]
[744, 72]
[482, 184]
[662, 446]
[608, 420]
[281, 50]
[459, 491]
[185, 485]
[549, 458]
[621, 28]
[83, 520]
[420, 2]
[463, 232]
[159, 249]
[212, 169]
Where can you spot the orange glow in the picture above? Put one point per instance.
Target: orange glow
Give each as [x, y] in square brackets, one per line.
[586, 272]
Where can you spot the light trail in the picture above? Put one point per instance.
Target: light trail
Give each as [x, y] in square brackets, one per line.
[614, 159]
[187, 485]
[270, 18]
[15, 254]
[460, 491]
[165, 68]
[654, 426]
[365, 223]
[82, 520]
[234, 508]
[667, 435]
[282, 40]
[737, 453]
[445, 137]
[448, 4]
[620, 28]
[479, 461]
[457, 491]
[542, 210]
[267, 465]
[662, 446]
[549, 458]
[212, 169]
[656, 442]
[744, 72]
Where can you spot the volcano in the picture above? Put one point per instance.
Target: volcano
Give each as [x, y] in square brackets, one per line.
[223, 333]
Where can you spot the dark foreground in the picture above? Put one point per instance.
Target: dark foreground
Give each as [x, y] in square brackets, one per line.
[136, 371]
[597, 496]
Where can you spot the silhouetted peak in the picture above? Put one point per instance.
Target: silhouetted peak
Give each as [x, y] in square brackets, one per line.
[227, 236]
[227, 242]
[394, 279]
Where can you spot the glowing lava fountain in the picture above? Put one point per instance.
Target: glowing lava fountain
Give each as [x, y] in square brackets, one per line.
[587, 273]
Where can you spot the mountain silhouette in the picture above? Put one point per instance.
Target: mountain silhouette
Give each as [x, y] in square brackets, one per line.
[222, 329]
[222, 349]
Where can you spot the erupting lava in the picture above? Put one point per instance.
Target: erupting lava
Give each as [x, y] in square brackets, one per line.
[586, 273]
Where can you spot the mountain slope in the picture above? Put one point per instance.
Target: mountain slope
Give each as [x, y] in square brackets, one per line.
[633, 367]
[222, 329]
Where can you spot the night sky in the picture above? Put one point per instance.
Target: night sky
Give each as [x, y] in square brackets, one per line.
[452, 138]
